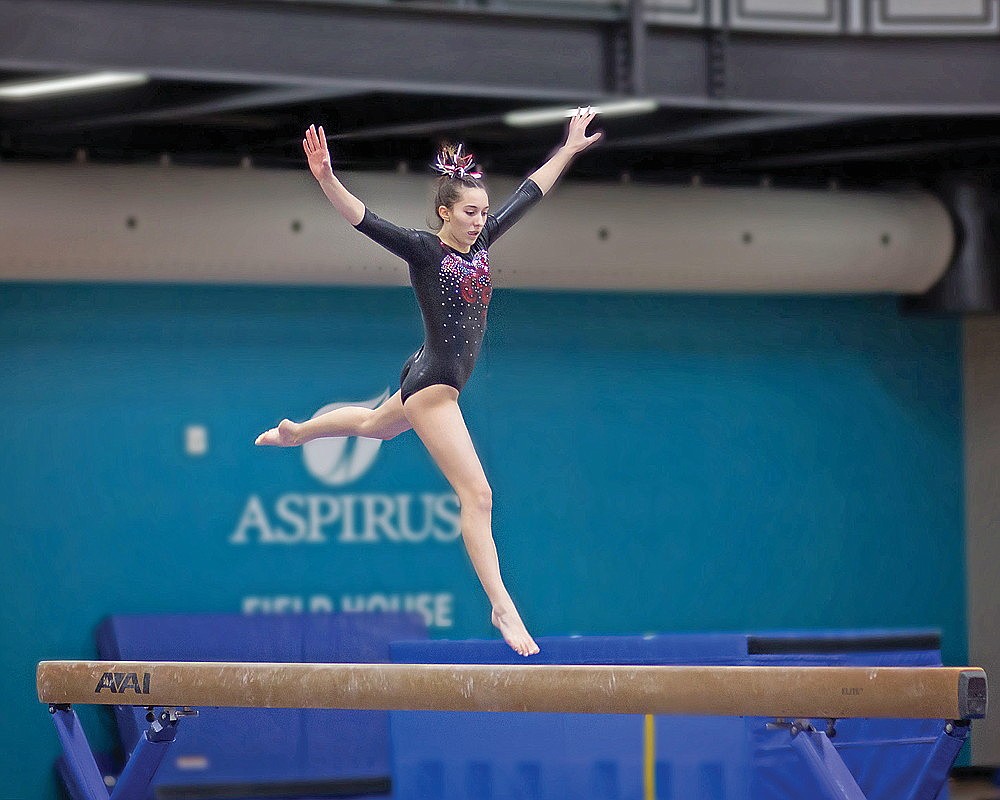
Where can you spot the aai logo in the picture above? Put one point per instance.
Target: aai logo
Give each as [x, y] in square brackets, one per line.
[341, 460]
[121, 682]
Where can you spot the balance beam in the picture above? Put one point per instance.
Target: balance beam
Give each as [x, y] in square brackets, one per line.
[951, 693]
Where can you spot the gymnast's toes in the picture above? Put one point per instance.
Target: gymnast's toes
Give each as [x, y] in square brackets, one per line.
[285, 435]
[267, 437]
[514, 632]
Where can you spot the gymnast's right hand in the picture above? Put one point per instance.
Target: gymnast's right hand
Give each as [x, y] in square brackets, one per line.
[318, 153]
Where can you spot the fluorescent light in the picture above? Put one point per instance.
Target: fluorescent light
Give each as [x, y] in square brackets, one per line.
[547, 116]
[28, 90]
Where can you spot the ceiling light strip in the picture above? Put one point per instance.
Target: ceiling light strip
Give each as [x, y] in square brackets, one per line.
[546, 116]
[28, 90]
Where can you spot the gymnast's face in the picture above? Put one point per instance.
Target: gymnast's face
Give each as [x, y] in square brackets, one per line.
[465, 219]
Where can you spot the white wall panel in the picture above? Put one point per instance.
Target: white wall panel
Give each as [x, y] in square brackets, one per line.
[175, 224]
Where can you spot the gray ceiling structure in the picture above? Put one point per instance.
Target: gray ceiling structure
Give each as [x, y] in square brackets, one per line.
[864, 91]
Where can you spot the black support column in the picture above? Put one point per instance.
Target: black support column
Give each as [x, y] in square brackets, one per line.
[972, 281]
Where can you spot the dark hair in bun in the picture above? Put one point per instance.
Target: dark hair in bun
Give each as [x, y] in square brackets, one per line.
[458, 172]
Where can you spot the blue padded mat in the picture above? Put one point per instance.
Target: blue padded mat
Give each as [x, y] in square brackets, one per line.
[460, 756]
[326, 751]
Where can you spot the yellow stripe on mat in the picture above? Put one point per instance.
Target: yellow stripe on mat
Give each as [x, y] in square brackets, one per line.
[649, 760]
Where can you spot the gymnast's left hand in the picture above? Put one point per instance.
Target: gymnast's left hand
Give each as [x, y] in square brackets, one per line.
[577, 139]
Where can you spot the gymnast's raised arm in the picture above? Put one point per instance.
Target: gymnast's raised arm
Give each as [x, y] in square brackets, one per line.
[398, 241]
[576, 142]
[541, 181]
[350, 208]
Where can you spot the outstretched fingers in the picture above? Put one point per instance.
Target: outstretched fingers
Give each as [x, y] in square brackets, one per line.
[314, 141]
[319, 139]
[317, 152]
[577, 134]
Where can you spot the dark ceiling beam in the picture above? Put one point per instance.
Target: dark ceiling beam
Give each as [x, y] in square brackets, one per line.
[242, 101]
[635, 46]
[384, 48]
[882, 152]
[833, 74]
[732, 128]
[481, 51]
[881, 110]
[417, 128]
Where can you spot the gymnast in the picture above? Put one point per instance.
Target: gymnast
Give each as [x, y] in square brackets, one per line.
[450, 275]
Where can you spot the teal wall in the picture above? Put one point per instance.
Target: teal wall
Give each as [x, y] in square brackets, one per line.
[659, 463]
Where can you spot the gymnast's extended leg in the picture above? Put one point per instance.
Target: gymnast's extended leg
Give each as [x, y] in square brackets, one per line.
[384, 422]
[438, 421]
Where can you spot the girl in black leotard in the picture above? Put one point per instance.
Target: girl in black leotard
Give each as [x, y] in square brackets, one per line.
[450, 273]
[453, 287]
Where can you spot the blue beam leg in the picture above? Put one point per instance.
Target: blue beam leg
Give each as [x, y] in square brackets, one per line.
[147, 756]
[825, 763]
[935, 771]
[82, 769]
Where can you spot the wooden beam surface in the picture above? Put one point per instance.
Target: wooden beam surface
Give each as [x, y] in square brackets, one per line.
[813, 692]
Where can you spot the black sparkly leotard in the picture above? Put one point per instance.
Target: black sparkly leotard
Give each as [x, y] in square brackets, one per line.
[452, 288]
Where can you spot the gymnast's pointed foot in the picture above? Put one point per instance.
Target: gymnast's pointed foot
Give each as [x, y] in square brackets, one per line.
[514, 633]
[285, 435]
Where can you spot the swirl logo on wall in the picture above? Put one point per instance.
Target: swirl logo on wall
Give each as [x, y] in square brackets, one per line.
[340, 460]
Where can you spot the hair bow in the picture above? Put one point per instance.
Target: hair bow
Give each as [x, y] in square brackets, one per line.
[455, 165]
